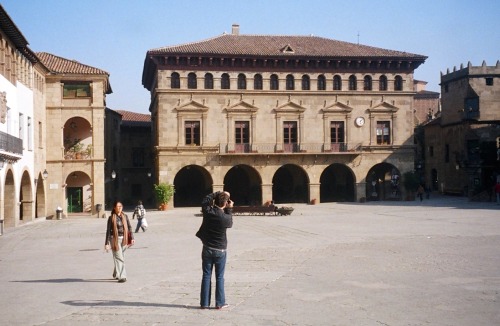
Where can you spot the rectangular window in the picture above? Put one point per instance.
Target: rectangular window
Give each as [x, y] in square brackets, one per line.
[137, 157]
[447, 153]
[336, 135]
[242, 136]
[76, 90]
[431, 151]
[30, 134]
[21, 127]
[489, 81]
[290, 136]
[383, 132]
[40, 135]
[192, 129]
[471, 109]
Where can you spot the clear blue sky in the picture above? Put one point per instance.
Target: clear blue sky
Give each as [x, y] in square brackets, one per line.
[115, 35]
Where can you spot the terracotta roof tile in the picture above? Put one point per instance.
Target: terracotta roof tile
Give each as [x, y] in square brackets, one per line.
[281, 46]
[133, 116]
[64, 66]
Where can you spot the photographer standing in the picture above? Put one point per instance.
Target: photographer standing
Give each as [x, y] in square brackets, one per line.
[217, 217]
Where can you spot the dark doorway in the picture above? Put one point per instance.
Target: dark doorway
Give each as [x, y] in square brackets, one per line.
[192, 183]
[290, 185]
[244, 185]
[75, 200]
[337, 184]
[383, 182]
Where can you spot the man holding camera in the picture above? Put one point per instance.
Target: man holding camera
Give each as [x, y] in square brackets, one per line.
[217, 218]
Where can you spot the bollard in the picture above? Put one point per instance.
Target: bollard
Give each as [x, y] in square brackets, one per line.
[98, 208]
[59, 213]
[1, 227]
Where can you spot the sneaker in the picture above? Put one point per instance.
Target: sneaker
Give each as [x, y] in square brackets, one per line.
[225, 305]
[114, 274]
[122, 280]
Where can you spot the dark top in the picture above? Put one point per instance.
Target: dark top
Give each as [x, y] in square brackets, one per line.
[119, 226]
[216, 221]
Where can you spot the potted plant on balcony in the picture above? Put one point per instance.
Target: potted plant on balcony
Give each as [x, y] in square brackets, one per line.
[74, 148]
[163, 193]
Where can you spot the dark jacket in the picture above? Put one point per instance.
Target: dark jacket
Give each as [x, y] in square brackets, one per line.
[216, 221]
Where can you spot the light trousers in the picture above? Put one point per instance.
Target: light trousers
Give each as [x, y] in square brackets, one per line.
[119, 260]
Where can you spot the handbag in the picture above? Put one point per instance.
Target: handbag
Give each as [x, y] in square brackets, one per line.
[144, 222]
[129, 238]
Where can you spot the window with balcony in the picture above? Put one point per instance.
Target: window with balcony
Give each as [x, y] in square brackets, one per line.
[353, 83]
[274, 82]
[306, 83]
[209, 81]
[290, 144]
[367, 83]
[242, 81]
[321, 83]
[382, 83]
[76, 90]
[337, 135]
[192, 132]
[398, 83]
[337, 83]
[192, 82]
[224, 82]
[257, 81]
[290, 83]
[138, 157]
[175, 80]
[383, 132]
[242, 136]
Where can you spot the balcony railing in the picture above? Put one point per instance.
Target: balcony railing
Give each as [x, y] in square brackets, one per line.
[10, 144]
[268, 148]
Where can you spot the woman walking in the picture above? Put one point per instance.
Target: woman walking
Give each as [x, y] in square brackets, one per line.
[118, 239]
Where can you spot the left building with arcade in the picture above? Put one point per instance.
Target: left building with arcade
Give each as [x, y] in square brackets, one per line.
[22, 149]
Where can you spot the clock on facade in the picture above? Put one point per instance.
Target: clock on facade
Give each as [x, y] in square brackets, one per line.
[359, 121]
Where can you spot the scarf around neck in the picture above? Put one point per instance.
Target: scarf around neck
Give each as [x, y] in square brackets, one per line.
[114, 245]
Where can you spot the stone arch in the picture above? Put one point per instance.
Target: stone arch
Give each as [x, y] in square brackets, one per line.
[40, 197]
[244, 184]
[79, 189]
[26, 211]
[10, 200]
[383, 182]
[337, 184]
[77, 137]
[290, 185]
[191, 184]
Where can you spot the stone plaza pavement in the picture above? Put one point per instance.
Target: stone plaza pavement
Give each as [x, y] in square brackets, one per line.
[435, 262]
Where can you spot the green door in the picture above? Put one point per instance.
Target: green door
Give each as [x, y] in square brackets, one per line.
[75, 200]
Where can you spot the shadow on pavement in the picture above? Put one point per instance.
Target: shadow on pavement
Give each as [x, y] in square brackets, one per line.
[90, 303]
[66, 280]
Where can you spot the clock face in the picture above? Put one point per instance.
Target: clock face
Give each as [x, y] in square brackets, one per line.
[360, 121]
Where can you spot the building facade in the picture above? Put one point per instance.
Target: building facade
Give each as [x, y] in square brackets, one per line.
[461, 144]
[129, 156]
[75, 100]
[22, 188]
[282, 118]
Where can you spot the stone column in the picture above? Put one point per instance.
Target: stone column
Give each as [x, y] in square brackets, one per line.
[314, 192]
[267, 192]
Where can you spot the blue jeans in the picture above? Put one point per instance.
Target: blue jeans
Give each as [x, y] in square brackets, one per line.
[139, 225]
[210, 259]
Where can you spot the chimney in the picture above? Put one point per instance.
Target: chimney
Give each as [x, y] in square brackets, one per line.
[235, 29]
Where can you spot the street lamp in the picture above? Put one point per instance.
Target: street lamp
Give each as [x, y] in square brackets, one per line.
[113, 174]
[45, 174]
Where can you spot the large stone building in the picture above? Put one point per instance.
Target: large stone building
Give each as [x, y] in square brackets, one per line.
[129, 158]
[75, 100]
[22, 153]
[283, 118]
[461, 153]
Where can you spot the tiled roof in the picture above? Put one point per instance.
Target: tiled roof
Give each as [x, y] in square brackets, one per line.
[133, 116]
[64, 66]
[281, 46]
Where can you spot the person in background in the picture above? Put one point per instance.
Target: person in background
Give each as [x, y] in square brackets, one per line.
[117, 239]
[217, 218]
[420, 192]
[140, 212]
[497, 192]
